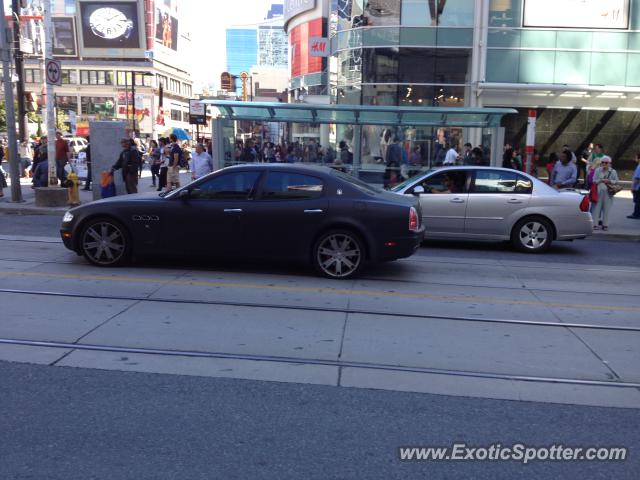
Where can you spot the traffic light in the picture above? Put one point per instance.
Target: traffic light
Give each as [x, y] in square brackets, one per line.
[31, 101]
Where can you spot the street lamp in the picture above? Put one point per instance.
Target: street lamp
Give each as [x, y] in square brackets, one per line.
[133, 95]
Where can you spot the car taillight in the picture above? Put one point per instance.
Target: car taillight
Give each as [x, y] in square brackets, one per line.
[584, 204]
[414, 223]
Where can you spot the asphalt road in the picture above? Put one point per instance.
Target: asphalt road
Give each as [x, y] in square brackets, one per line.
[589, 251]
[71, 423]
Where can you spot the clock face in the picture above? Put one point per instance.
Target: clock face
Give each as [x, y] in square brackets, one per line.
[110, 23]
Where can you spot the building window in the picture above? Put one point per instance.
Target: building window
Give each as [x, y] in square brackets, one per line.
[67, 103]
[32, 75]
[96, 77]
[176, 115]
[69, 77]
[162, 80]
[185, 117]
[186, 89]
[101, 106]
[126, 79]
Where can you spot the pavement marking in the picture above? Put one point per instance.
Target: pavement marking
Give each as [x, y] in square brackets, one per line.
[321, 290]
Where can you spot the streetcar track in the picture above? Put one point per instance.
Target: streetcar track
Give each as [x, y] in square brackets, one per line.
[322, 362]
[348, 311]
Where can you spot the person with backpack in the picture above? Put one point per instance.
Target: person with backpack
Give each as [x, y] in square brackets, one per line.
[175, 160]
[129, 162]
[201, 163]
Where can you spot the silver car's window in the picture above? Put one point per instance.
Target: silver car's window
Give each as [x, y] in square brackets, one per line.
[291, 186]
[450, 181]
[231, 186]
[491, 181]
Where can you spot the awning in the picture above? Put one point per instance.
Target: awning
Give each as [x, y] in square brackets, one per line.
[358, 114]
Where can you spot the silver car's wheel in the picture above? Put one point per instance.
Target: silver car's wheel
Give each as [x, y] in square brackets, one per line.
[338, 254]
[105, 243]
[532, 235]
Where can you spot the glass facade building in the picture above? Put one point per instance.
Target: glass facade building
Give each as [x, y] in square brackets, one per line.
[242, 49]
[576, 63]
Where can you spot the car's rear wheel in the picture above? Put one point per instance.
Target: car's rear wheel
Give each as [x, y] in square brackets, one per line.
[338, 254]
[104, 242]
[532, 235]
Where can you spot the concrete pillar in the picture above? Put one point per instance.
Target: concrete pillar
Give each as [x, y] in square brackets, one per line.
[217, 137]
[105, 150]
[324, 134]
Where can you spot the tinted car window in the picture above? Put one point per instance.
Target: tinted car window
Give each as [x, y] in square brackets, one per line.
[234, 186]
[290, 186]
[488, 181]
[452, 181]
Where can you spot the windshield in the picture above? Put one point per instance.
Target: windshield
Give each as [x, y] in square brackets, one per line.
[359, 184]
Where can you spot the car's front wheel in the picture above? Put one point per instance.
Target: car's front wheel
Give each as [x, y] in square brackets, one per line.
[338, 254]
[104, 242]
[532, 235]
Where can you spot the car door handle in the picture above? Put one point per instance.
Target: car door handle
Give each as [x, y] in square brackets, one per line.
[457, 200]
[232, 210]
[514, 200]
[314, 210]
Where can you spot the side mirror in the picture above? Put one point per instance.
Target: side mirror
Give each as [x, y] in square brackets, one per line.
[418, 190]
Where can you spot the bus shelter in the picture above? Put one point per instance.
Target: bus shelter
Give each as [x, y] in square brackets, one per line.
[365, 131]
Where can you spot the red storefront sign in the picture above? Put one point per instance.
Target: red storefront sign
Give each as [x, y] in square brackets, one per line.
[302, 62]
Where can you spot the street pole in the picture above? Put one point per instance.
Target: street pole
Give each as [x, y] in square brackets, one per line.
[19, 69]
[51, 121]
[126, 95]
[14, 160]
[133, 99]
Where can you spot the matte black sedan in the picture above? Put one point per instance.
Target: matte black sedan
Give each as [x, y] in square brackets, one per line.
[274, 211]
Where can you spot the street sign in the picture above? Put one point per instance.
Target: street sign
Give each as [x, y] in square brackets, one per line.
[197, 113]
[53, 72]
[148, 54]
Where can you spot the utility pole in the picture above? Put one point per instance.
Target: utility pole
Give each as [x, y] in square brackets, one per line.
[19, 69]
[14, 160]
[133, 100]
[51, 121]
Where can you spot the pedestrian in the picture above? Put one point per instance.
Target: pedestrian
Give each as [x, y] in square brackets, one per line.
[467, 155]
[87, 154]
[564, 172]
[26, 155]
[508, 159]
[345, 156]
[478, 157]
[594, 162]
[635, 190]
[553, 159]
[164, 163]
[415, 161]
[175, 158]
[604, 176]
[155, 154]
[63, 155]
[40, 176]
[129, 162]
[201, 163]
[452, 156]
[311, 152]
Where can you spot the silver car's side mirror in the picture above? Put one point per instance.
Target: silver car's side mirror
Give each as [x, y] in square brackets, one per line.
[418, 189]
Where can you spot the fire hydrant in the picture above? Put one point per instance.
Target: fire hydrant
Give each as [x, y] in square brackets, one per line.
[72, 184]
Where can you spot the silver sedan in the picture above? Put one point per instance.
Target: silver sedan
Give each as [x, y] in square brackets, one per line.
[488, 203]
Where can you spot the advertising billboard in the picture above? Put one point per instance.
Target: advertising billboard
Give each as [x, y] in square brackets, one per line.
[609, 14]
[302, 60]
[166, 29]
[64, 37]
[110, 25]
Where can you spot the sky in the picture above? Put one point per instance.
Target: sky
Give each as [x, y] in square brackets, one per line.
[208, 21]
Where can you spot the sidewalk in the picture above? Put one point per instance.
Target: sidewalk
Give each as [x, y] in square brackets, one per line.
[28, 207]
[619, 226]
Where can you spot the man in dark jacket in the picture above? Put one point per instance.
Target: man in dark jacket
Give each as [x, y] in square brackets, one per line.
[129, 161]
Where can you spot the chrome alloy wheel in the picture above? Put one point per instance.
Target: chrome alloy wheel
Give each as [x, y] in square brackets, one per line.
[533, 235]
[339, 255]
[104, 243]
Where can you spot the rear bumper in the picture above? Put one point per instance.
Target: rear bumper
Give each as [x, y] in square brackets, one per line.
[400, 247]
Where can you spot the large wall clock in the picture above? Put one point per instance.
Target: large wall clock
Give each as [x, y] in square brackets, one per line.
[110, 23]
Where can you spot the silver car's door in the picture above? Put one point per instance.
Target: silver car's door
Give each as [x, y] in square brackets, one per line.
[495, 200]
[444, 202]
